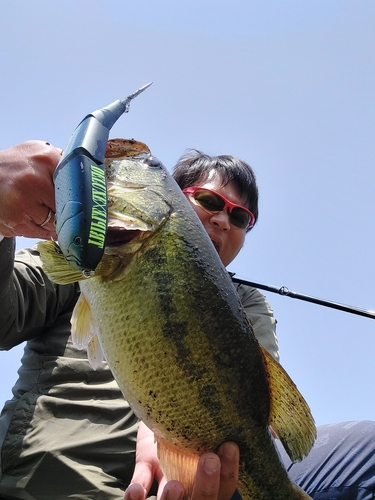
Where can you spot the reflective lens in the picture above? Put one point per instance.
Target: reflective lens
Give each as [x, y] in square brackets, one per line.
[214, 202]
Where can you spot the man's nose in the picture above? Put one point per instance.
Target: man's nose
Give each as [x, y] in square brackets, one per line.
[221, 219]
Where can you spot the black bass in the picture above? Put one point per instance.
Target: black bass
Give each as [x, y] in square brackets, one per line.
[163, 309]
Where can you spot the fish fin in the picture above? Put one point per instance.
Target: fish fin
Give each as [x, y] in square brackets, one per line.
[95, 353]
[290, 416]
[81, 321]
[85, 332]
[178, 464]
[61, 272]
[55, 265]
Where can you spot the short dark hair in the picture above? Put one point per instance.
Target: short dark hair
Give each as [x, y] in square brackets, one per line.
[194, 168]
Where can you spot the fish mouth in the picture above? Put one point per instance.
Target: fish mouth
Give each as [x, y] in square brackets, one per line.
[118, 236]
[122, 229]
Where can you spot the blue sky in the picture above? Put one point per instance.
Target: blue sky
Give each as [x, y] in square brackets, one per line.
[287, 86]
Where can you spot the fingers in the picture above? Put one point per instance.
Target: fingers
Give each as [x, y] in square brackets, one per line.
[135, 491]
[146, 465]
[217, 475]
[42, 160]
[47, 229]
[173, 490]
[230, 458]
[142, 479]
[207, 480]
[48, 222]
[27, 197]
[46, 157]
[41, 152]
[29, 229]
[25, 226]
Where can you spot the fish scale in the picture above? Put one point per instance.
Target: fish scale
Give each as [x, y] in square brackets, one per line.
[177, 338]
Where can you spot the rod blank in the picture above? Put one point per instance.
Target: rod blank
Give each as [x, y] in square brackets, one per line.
[294, 295]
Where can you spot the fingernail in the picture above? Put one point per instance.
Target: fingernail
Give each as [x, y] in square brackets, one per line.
[229, 450]
[135, 491]
[175, 494]
[211, 465]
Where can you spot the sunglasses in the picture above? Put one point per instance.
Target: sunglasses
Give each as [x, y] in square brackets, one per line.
[213, 202]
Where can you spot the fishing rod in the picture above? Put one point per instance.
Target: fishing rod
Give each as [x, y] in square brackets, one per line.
[294, 295]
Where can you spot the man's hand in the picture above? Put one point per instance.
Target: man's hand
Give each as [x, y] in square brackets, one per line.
[216, 476]
[27, 197]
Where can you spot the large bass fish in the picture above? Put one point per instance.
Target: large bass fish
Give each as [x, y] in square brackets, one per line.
[162, 308]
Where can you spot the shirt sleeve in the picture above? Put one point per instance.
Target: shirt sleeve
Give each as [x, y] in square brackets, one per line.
[30, 302]
[261, 317]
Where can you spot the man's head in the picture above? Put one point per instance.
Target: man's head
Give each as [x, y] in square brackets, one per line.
[227, 204]
[195, 168]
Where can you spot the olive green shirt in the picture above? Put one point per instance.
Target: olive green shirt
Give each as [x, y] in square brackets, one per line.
[68, 432]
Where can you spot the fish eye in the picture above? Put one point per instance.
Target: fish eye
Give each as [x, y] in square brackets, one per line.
[153, 162]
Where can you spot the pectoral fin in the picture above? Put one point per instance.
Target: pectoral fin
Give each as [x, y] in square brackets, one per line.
[55, 265]
[290, 415]
[95, 353]
[81, 322]
[84, 332]
[61, 272]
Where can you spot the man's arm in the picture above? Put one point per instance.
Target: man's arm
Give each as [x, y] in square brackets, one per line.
[26, 190]
[261, 317]
[29, 301]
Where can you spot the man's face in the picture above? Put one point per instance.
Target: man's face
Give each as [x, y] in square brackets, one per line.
[227, 238]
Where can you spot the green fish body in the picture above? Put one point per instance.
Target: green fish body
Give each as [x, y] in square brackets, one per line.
[163, 310]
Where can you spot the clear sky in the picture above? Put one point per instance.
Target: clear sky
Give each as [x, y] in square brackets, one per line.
[288, 86]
